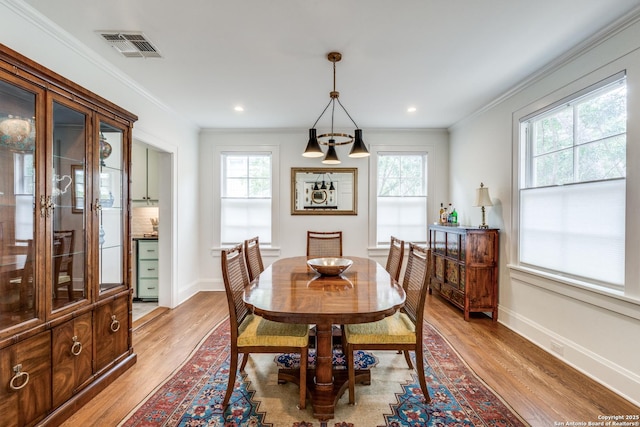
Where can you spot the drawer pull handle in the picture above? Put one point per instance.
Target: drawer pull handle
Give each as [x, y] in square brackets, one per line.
[76, 348]
[115, 324]
[19, 376]
[151, 269]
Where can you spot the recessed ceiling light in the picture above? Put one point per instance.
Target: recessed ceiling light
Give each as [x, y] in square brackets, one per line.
[239, 108]
[411, 110]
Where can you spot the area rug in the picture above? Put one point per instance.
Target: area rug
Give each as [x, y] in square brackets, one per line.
[192, 395]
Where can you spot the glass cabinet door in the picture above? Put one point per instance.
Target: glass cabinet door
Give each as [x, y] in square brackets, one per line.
[111, 205]
[18, 214]
[68, 216]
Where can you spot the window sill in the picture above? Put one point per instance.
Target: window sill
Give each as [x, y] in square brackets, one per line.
[265, 251]
[608, 299]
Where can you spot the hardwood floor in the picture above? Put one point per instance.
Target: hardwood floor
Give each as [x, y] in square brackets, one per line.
[543, 390]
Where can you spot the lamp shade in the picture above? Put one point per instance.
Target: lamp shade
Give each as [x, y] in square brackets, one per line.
[482, 196]
[313, 147]
[358, 149]
[332, 157]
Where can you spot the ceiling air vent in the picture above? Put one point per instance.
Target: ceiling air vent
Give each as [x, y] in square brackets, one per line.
[130, 45]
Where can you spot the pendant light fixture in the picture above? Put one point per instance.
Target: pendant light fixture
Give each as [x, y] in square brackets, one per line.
[314, 149]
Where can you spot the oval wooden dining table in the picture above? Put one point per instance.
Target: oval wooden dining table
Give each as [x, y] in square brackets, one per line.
[290, 291]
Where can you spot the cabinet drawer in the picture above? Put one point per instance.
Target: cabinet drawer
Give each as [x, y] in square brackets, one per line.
[148, 269]
[29, 400]
[148, 288]
[147, 249]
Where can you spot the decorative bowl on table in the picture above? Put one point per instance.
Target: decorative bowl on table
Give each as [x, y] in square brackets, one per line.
[329, 266]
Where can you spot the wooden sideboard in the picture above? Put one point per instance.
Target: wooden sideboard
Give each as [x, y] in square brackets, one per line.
[464, 267]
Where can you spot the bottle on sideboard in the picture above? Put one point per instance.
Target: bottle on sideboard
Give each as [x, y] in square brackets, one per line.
[443, 214]
[454, 217]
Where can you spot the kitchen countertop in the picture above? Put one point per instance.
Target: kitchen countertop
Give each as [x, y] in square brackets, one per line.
[144, 237]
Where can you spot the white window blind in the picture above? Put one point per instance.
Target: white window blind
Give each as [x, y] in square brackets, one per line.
[576, 230]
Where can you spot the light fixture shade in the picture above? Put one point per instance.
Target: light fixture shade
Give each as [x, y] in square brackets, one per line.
[313, 147]
[359, 149]
[332, 157]
[482, 196]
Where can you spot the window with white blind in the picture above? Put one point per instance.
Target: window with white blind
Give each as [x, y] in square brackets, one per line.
[401, 196]
[246, 197]
[572, 190]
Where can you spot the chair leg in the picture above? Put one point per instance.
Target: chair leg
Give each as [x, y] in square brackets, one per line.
[233, 367]
[245, 359]
[407, 357]
[352, 375]
[304, 361]
[420, 370]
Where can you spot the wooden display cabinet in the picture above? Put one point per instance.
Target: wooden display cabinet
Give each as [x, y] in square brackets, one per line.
[65, 258]
[464, 268]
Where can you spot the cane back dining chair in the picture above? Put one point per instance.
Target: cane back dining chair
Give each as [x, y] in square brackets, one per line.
[253, 257]
[251, 333]
[64, 243]
[324, 243]
[395, 257]
[401, 331]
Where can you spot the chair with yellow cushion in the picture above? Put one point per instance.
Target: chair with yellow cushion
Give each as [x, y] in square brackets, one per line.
[403, 330]
[251, 333]
[253, 257]
[395, 257]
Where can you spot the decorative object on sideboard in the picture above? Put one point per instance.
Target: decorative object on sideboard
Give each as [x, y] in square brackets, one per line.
[482, 200]
[359, 149]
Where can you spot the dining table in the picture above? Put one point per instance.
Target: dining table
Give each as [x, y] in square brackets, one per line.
[290, 291]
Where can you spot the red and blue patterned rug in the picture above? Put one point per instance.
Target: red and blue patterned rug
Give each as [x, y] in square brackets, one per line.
[192, 395]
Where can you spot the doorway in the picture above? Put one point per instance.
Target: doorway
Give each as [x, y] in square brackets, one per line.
[152, 219]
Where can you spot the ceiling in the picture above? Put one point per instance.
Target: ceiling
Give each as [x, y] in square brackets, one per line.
[445, 58]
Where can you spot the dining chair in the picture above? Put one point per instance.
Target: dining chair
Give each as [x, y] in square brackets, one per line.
[253, 257]
[251, 333]
[64, 244]
[401, 331]
[324, 243]
[395, 257]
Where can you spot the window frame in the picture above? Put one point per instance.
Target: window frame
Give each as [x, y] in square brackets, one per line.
[430, 152]
[626, 301]
[274, 152]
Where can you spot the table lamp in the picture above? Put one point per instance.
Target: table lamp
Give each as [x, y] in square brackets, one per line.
[482, 200]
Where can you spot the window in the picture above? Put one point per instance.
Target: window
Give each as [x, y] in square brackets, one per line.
[572, 192]
[246, 194]
[401, 196]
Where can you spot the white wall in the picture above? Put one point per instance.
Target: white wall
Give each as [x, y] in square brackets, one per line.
[35, 38]
[291, 239]
[596, 333]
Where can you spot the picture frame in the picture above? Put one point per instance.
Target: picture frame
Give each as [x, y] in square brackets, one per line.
[324, 191]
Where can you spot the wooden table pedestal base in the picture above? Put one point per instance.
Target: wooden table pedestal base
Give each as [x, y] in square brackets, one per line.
[324, 399]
